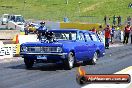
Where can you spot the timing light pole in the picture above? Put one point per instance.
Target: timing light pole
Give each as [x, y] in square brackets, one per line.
[79, 8]
[24, 7]
[66, 1]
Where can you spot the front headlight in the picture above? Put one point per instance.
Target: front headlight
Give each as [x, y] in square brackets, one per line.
[23, 49]
[59, 49]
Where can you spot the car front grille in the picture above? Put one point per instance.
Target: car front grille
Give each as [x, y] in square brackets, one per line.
[41, 49]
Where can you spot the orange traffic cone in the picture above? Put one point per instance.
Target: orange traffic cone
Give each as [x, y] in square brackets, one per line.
[17, 41]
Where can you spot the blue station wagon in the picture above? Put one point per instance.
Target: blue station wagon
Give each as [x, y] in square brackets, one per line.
[68, 46]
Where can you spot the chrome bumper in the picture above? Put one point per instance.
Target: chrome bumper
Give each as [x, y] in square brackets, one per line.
[60, 54]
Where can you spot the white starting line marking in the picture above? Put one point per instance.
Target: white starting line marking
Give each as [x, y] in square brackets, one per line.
[116, 45]
[7, 60]
[124, 71]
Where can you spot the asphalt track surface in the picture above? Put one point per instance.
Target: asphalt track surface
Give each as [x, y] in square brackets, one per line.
[14, 75]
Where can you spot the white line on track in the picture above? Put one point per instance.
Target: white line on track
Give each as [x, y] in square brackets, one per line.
[116, 45]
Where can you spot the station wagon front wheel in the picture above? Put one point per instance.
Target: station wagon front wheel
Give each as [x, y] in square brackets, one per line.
[69, 62]
[28, 63]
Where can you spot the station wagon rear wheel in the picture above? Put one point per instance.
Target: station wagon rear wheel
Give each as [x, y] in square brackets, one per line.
[28, 63]
[94, 59]
[69, 62]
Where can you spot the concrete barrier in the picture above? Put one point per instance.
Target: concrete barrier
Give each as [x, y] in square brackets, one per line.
[8, 34]
[17, 48]
[9, 50]
[1, 51]
[27, 38]
[82, 26]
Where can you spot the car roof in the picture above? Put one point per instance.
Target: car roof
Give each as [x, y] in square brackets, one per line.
[91, 32]
[88, 31]
[64, 30]
[71, 30]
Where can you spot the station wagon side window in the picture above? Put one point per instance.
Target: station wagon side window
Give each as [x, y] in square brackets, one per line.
[65, 35]
[94, 37]
[81, 36]
[87, 36]
[99, 38]
[73, 36]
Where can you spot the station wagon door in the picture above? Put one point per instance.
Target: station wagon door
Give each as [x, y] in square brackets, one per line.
[95, 42]
[81, 48]
[90, 46]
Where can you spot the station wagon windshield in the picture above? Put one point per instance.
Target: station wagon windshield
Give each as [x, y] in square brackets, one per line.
[65, 35]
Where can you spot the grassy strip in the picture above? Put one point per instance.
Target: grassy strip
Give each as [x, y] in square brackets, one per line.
[91, 11]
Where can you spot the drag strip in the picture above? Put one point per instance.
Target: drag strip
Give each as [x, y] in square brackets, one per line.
[14, 75]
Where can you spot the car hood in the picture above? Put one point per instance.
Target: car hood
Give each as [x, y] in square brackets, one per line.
[32, 44]
[60, 43]
[66, 41]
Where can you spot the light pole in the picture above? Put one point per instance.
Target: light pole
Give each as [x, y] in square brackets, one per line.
[24, 7]
[66, 1]
[65, 18]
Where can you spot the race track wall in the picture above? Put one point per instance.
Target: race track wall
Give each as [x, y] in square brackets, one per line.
[8, 34]
[82, 26]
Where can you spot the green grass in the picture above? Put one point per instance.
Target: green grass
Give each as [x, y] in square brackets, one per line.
[56, 10]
